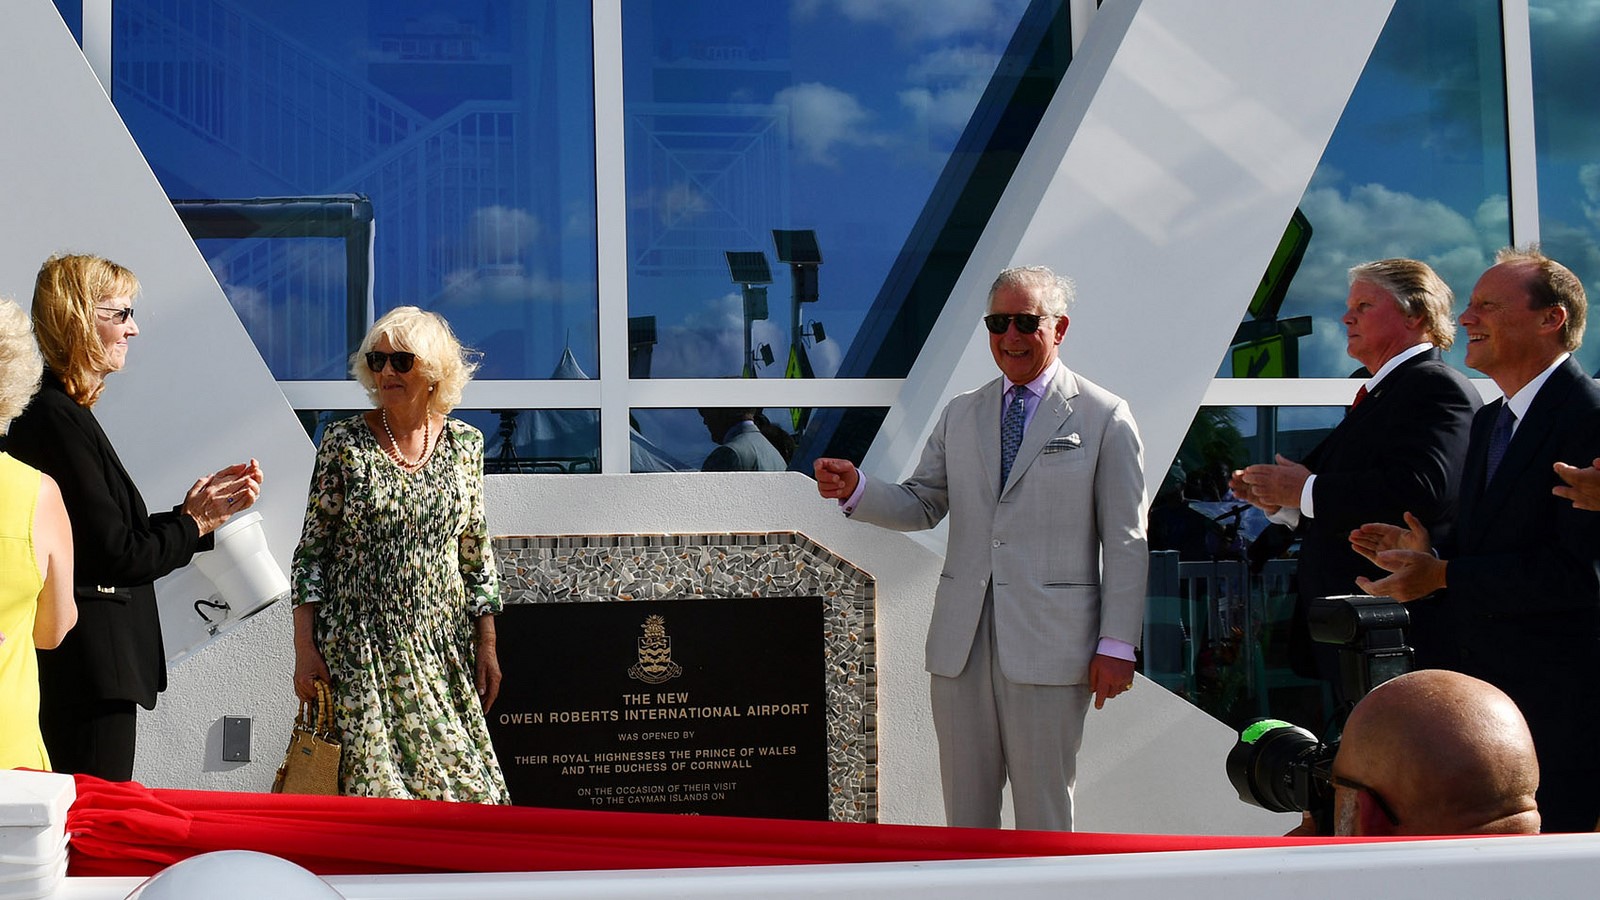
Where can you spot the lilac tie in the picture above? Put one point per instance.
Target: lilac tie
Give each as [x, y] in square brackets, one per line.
[1011, 432]
[1499, 439]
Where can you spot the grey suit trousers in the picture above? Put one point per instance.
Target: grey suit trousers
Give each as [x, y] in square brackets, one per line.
[991, 730]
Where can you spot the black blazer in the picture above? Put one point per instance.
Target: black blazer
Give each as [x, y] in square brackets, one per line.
[1524, 573]
[1400, 450]
[119, 549]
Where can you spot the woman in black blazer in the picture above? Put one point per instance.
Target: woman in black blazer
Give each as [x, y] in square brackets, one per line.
[83, 317]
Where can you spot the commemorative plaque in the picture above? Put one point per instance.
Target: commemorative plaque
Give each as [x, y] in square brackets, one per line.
[703, 706]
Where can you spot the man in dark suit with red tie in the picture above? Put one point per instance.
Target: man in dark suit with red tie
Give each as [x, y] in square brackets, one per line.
[1398, 449]
[1521, 573]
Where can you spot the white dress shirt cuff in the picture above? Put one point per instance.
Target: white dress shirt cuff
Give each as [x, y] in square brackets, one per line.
[1306, 509]
[1110, 646]
[848, 505]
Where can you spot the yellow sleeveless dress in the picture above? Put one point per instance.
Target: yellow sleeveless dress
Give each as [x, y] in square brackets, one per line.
[20, 581]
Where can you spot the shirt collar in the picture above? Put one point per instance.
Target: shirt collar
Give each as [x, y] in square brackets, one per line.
[1037, 385]
[1522, 399]
[1394, 363]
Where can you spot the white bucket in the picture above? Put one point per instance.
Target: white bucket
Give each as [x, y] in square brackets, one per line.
[246, 575]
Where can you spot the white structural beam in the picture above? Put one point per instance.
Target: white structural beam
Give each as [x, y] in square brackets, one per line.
[611, 227]
[653, 392]
[1160, 180]
[1521, 149]
[196, 395]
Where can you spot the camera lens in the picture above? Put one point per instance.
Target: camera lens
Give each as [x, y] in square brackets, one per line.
[1271, 765]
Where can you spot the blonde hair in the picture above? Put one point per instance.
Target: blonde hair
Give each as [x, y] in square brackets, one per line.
[65, 294]
[441, 359]
[20, 363]
[1418, 290]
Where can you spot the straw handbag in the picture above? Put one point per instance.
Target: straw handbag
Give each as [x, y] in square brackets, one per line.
[312, 764]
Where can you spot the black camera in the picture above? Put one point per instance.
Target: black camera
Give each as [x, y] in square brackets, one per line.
[1282, 767]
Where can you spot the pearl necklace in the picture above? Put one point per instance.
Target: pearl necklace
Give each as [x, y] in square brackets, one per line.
[394, 445]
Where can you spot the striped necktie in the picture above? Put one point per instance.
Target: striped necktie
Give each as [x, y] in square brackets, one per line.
[1499, 439]
[1011, 432]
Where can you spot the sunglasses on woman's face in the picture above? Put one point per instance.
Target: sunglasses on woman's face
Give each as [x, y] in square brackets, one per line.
[997, 323]
[400, 360]
[117, 314]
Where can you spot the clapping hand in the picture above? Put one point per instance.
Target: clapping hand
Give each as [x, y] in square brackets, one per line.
[219, 495]
[1406, 553]
[1582, 485]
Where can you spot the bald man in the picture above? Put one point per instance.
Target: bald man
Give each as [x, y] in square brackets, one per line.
[1435, 752]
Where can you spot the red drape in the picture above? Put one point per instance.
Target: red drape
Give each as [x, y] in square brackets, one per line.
[128, 829]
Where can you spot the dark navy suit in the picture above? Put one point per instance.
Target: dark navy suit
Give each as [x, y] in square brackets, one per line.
[1400, 450]
[1523, 588]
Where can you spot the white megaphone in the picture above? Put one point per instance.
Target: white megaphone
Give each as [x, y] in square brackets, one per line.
[247, 578]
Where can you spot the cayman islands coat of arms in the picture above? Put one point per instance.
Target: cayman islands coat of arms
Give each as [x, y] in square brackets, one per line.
[655, 654]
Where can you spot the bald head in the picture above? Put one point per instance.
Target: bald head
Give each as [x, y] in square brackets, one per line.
[1448, 753]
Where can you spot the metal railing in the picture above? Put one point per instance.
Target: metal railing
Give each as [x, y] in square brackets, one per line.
[1217, 633]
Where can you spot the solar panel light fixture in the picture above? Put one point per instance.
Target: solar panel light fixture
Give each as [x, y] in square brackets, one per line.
[748, 266]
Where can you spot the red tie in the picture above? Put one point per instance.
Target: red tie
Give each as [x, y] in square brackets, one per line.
[1360, 396]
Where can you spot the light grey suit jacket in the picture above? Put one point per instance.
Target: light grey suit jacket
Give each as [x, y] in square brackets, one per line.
[1064, 542]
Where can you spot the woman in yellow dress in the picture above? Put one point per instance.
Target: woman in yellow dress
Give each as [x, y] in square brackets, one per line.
[36, 607]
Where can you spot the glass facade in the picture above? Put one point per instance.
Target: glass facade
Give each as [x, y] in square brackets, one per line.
[1567, 137]
[745, 121]
[470, 129]
[1417, 167]
[1222, 585]
[515, 441]
[682, 437]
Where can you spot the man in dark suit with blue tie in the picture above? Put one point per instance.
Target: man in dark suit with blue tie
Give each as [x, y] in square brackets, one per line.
[1398, 449]
[1521, 574]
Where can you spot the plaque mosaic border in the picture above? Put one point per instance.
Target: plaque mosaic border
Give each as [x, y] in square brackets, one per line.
[621, 567]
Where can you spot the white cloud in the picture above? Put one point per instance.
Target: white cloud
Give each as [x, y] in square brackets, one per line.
[823, 117]
[946, 87]
[1589, 180]
[709, 343]
[506, 285]
[249, 303]
[678, 201]
[501, 233]
[1577, 14]
[1372, 221]
[920, 19]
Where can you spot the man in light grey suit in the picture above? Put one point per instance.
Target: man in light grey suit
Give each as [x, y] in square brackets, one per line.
[1041, 600]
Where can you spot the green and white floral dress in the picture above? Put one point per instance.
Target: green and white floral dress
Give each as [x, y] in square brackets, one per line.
[399, 564]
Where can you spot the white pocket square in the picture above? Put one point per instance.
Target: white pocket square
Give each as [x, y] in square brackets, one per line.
[1069, 442]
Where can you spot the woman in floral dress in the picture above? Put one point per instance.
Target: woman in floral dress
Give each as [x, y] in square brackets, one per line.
[395, 588]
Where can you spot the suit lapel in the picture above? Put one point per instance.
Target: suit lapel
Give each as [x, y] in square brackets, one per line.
[1355, 415]
[1055, 407]
[1530, 434]
[990, 401]
[1390, 383]
[1472, 494]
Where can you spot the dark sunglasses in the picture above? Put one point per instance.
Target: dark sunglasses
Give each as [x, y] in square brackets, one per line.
[1383, 807]
[401, 360]
[997, 323]
[119, 314]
